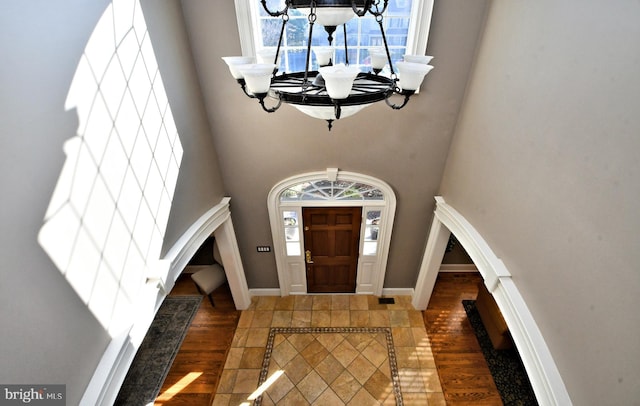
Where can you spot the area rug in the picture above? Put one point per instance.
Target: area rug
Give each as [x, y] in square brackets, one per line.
[315, 361]
[505, 365]
[158, 350]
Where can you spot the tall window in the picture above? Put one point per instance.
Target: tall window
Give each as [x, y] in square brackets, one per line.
[363, 33]
[406, 26]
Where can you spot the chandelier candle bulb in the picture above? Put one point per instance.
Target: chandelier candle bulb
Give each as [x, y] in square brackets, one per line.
[412, 74]
[378, 58]
[323, 55]
[257, 76]
[424, 59]
[233, 62]
[339, 79]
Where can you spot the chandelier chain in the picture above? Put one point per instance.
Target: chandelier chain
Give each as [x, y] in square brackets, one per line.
[285, 20]
[275, 13]
[312, 19]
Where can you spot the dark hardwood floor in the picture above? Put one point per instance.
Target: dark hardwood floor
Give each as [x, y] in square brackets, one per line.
[464, 374]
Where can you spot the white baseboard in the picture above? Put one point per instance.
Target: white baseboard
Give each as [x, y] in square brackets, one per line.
[397, 291]
[264, 292]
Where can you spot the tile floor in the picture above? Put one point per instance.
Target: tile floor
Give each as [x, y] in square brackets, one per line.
[333, 350]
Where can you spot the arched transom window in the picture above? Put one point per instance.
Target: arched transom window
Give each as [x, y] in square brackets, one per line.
[331, 190]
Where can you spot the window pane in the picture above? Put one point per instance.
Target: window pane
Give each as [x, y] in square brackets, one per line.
[362, 33]
[370, 248]
[290, 218]
[292, 234]
[320, 36]
[371, 232]
[396, 7]
[289, 194]
[375, 194]
[297, 32]
[293, 249]
[370, 29]
[353, 27]
[296, 60]
[373, 217]
[270, 29]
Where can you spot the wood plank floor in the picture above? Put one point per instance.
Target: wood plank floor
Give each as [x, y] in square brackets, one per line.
[464, 375]
[204, 348]
[463, 371]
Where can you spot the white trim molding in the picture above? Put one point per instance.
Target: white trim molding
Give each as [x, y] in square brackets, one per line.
[536, 357]
[397, 292]
[420, 25]
[118, 356]
[264, 292]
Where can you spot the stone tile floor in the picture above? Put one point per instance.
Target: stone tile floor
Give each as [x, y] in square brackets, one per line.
[333, 350]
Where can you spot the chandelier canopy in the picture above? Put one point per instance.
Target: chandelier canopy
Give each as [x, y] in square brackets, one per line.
[335, 90]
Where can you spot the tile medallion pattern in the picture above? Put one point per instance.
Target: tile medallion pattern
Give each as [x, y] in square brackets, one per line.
[330, 350]
[306, 353]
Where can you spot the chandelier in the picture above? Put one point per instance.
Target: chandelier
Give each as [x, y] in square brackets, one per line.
[335, 90]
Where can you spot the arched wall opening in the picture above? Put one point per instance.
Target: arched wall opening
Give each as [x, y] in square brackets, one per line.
[536, 357]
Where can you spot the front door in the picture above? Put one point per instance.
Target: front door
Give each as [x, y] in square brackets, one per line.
[331, 240]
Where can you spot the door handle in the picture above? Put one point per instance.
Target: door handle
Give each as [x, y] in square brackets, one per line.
[308, 256]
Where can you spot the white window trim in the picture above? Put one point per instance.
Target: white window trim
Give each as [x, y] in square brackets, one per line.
[421, 11]
[371, 268]
[419, 27]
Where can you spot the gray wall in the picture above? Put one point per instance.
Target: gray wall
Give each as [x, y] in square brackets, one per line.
[545, 165]
[407, 148]
[48, 335]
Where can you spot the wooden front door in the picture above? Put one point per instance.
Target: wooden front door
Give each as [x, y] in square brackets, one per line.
[331, 240]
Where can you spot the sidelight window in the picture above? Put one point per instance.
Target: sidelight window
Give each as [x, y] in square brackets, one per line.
[371, 231]
[291, 232]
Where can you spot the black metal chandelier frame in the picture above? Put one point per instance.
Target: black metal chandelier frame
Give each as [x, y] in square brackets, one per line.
[307, 87]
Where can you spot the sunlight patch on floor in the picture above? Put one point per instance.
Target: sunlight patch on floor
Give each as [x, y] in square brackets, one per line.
[178, 387]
